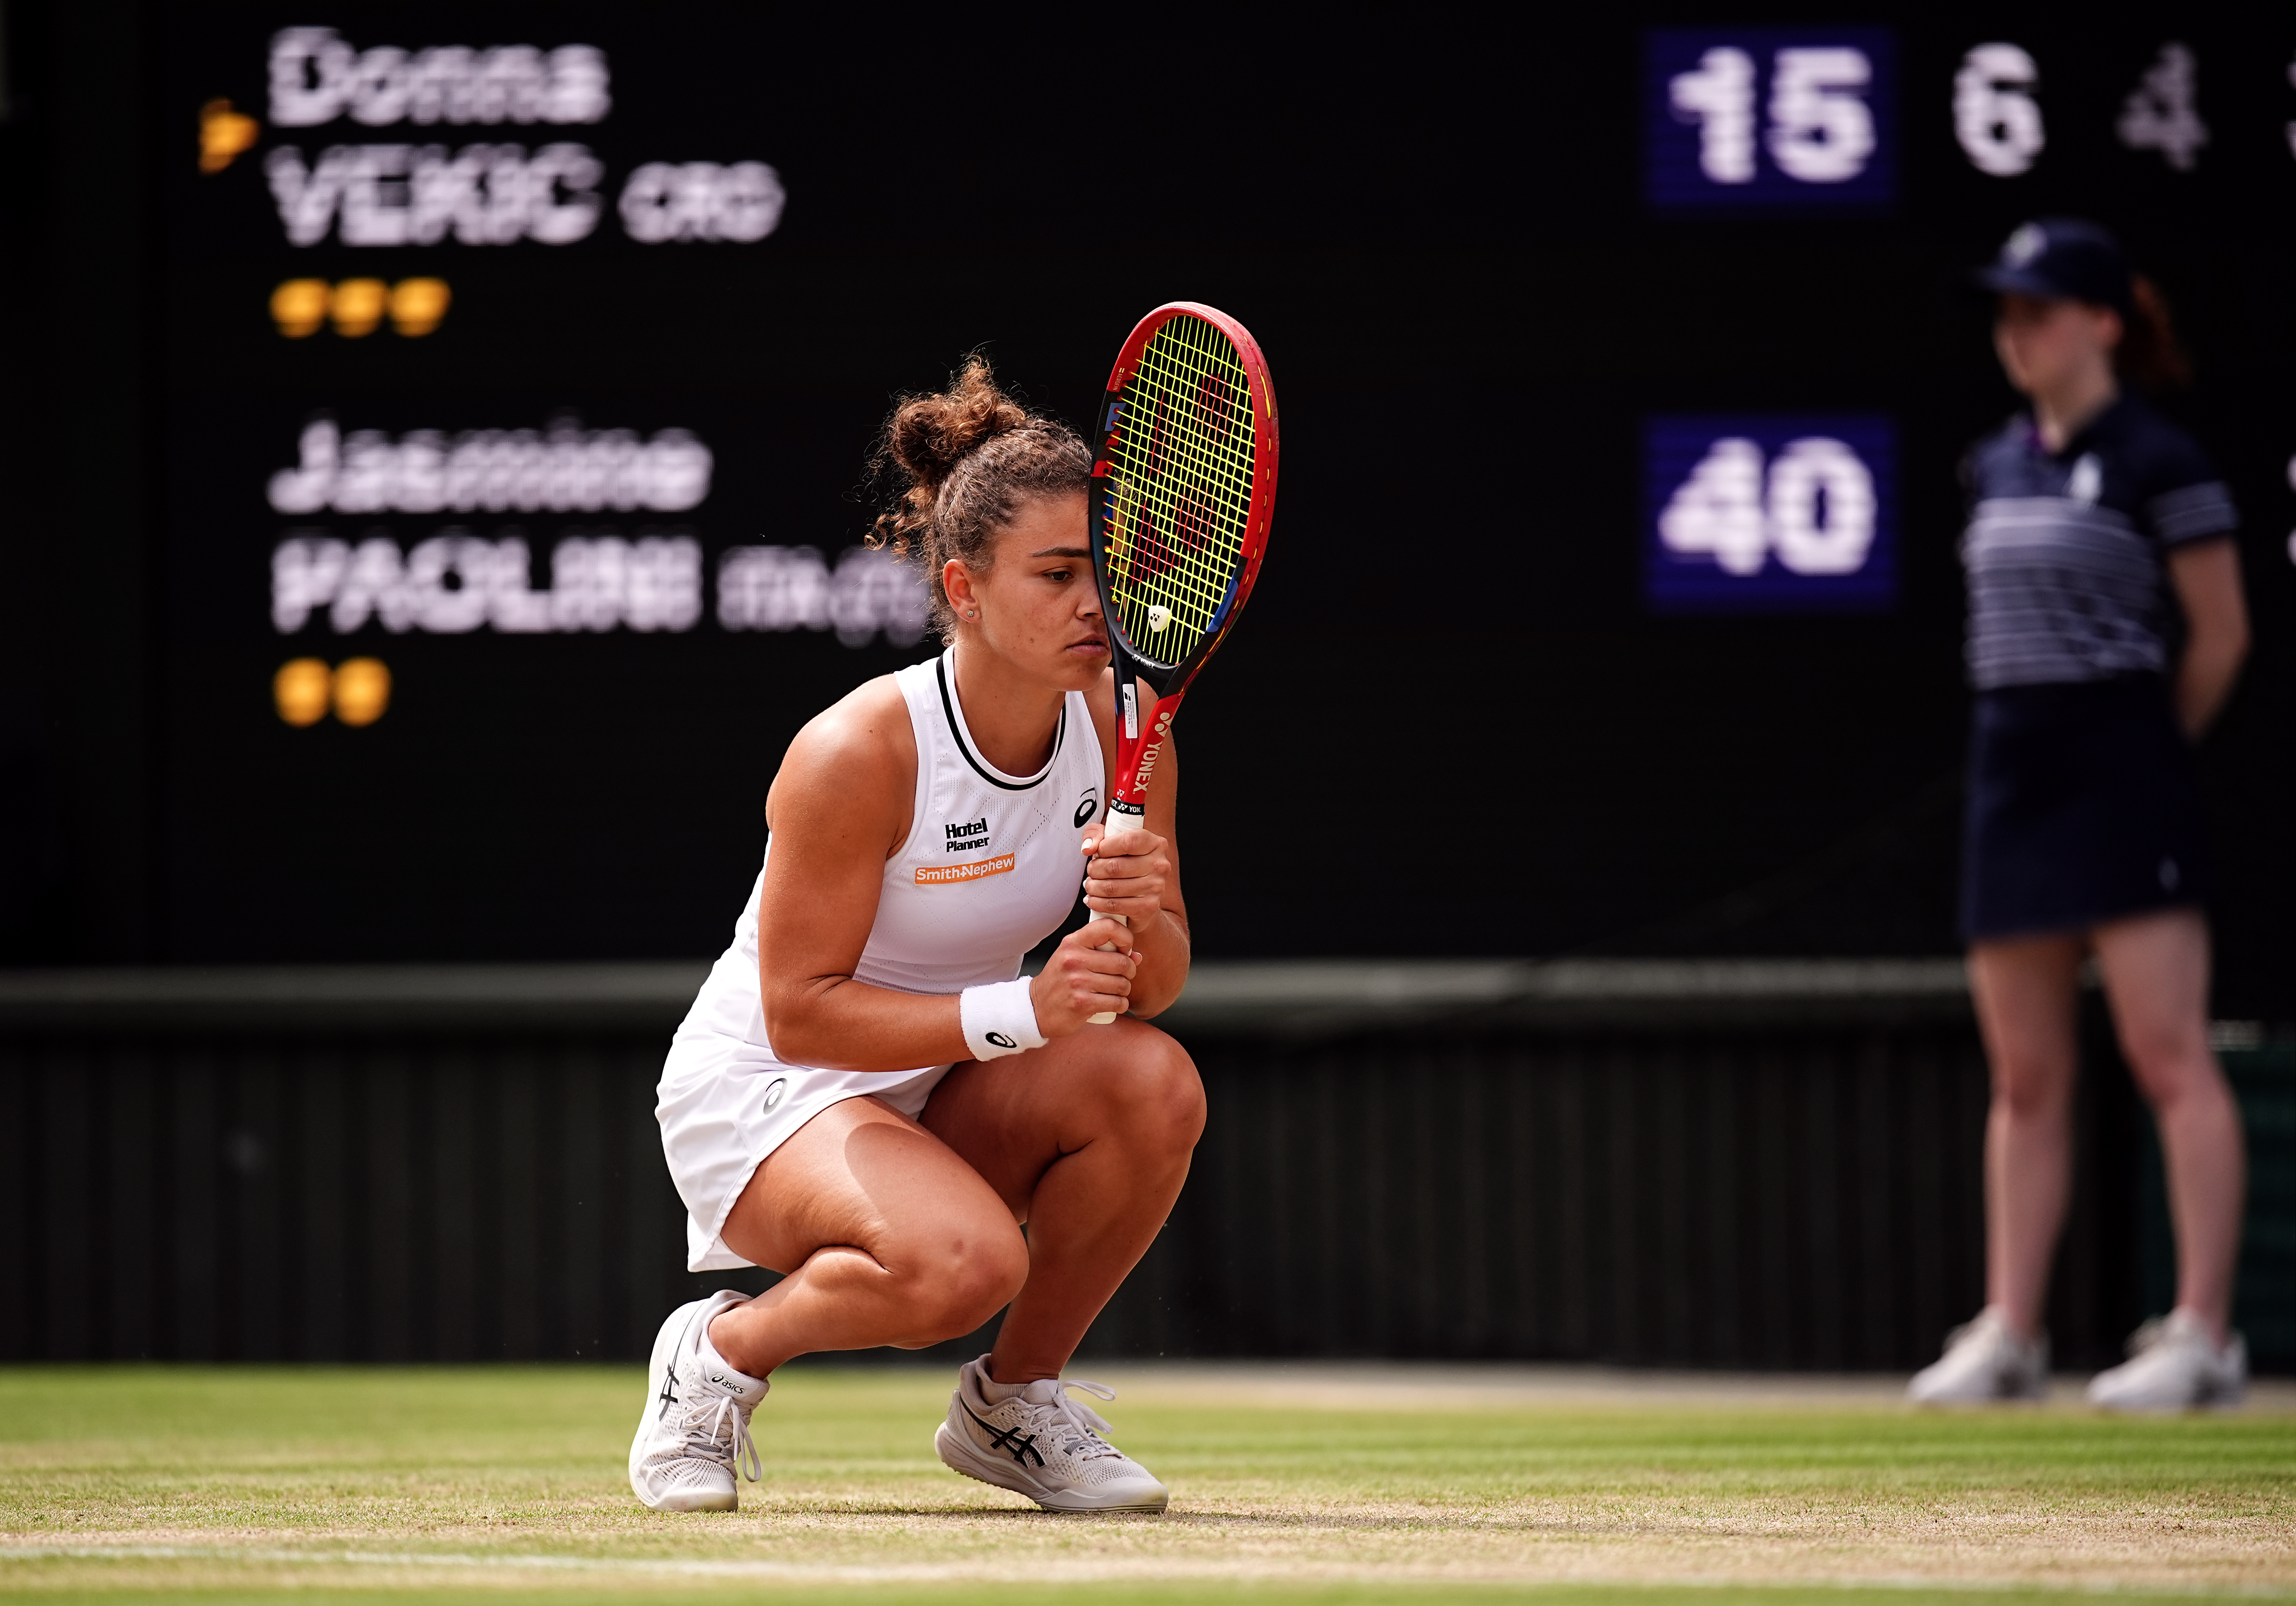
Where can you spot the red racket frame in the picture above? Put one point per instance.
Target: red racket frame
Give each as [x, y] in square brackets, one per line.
[1141, 738]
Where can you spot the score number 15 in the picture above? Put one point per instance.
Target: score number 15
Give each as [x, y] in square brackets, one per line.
[1816, 131]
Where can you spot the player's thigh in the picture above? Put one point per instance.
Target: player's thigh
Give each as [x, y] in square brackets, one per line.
[2155, 968]
[2025, 990]
[1012, 1117]
[861, 1174]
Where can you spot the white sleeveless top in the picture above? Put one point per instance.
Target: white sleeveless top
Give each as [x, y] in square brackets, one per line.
[990, 868]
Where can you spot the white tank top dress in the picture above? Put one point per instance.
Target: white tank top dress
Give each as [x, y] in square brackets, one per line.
[990, 868]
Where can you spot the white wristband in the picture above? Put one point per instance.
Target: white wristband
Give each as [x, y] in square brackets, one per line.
[999, 1018]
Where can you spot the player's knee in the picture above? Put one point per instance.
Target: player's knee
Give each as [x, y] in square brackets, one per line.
[967, 1279]
[1158, 1097]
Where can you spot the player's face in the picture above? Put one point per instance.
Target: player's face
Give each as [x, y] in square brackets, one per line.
[1038, 605]
[2048, 345]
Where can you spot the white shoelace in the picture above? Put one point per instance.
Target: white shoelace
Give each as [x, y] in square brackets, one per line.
[1082, 1427]
[706, 1435]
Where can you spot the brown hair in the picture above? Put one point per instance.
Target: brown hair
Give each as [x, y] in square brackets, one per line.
[969, 455]
[2149, 357]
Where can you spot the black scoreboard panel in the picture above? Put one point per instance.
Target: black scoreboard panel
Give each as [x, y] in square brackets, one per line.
[526, 361]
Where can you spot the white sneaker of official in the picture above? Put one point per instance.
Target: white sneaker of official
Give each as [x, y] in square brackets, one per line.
[2175, 1365]
[1042, 1443]
[1983, 1362]
[695, 1429]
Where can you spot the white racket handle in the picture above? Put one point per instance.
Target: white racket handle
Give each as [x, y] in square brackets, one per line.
[1106, 1017]
[1130, 818]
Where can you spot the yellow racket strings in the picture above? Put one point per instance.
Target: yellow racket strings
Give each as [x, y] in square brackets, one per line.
[1182, 495]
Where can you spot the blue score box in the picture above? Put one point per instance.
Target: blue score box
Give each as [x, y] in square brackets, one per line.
[1770, 512]
[1770, 118]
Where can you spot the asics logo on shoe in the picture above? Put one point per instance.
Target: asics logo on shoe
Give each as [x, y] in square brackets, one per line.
[1019, 1445]
[726, 1383]
[668, 1394]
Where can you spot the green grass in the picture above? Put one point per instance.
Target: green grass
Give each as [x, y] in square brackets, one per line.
[496, 1484]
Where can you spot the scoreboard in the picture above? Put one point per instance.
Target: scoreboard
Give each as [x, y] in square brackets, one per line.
[523, 362]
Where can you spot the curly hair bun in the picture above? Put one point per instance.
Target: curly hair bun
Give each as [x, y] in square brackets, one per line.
[929, 435]
[964, 461]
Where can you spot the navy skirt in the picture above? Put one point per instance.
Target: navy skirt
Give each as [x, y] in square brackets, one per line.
[2083, 807]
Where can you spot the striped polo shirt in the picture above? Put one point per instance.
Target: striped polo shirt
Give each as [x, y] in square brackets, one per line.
[2065, 550]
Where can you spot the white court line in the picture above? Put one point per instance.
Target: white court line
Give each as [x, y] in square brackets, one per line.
[1105, 1572]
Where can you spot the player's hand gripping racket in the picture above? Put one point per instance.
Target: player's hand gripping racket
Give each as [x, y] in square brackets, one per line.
[1182, 492]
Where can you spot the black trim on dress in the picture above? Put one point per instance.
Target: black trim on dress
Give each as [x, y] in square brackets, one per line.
[948, 712]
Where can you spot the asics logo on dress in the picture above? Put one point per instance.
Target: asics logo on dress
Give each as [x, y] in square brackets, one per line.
[964, 838]
[1019, 1445]
[1086, 808]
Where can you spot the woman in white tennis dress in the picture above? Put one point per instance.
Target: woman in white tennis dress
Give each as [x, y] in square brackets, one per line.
[867, 1096]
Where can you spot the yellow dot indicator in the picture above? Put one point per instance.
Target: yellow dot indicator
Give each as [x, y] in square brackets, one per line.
[358, 306]
[302, 688]
[300, 306]
[362, 690]
[417, 305]
[224, 134]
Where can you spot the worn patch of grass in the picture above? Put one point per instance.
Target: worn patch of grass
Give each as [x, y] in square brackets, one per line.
[230, 1483]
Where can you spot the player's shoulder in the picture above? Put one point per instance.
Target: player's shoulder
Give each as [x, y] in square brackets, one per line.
[863, 737]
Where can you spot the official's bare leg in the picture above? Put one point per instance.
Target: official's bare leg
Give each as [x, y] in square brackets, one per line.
[2025, 990]
[2156, 977]
[891, 1233]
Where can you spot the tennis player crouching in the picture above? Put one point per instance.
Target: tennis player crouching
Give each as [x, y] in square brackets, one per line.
[866, 1097]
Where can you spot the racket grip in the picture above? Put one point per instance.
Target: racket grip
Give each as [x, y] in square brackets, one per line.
[1102, 1018]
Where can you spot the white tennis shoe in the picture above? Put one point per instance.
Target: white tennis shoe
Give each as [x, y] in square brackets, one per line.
[695, 1430]
[1984, 1362]
[1042, 1443]
[2174, 1365]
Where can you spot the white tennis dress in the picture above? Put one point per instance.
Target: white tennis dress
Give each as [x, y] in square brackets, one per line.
[990, 868]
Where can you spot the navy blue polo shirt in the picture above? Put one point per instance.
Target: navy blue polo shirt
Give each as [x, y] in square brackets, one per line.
[2064, 553]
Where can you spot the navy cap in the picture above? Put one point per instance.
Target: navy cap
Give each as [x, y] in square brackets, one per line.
[2061, 260]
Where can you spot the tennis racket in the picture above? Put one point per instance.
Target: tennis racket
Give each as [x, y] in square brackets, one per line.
[1183, 493]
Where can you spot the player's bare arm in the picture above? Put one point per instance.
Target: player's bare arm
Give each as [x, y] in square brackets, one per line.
[839, 809]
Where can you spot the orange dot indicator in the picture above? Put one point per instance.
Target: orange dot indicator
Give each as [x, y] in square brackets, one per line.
[358, 306]
[224, 134]
[300, 306]
[362, 690]
[417, 305]
[301, 690]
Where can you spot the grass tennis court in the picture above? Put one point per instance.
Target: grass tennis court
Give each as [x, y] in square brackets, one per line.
[489, 1483]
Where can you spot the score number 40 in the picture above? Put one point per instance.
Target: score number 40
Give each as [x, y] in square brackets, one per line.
[1770, 512]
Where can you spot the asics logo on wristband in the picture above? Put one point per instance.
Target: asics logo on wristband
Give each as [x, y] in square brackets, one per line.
[1000, 1040]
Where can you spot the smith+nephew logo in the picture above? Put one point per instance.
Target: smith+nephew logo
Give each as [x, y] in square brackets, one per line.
[969, 870]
